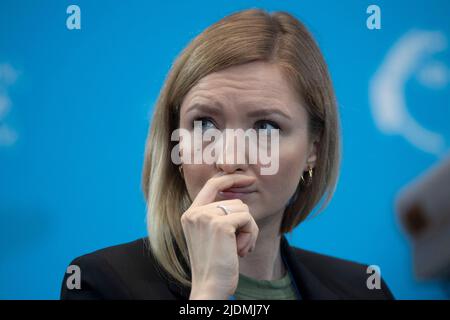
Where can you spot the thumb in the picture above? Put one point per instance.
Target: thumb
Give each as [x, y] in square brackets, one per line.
[243, 241]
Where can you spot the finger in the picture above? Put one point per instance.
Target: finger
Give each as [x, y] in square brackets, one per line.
[231, 206]
[212, 210]
[216, 184]
[227, 203]
[245, 251]
[243, 242]
[242, 222]
[246, 241]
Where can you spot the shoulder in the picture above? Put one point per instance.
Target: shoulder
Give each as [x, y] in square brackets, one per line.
[124, 271]
[347, 279]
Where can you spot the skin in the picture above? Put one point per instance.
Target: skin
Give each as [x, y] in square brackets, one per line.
[219, 245]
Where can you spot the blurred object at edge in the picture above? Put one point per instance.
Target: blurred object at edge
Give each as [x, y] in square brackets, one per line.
[423, 209]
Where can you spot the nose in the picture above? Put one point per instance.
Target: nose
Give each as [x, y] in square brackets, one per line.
[232, 158]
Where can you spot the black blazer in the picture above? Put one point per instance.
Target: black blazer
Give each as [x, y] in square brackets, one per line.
[128, 271]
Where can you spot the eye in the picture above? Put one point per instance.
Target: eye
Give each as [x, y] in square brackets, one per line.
[266, 125]
[207, 123]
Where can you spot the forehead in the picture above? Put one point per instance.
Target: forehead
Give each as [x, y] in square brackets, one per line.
[247, 84]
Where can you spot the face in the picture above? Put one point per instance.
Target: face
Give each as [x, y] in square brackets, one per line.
[251, 96]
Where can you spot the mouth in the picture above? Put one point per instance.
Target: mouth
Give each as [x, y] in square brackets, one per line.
[236, 193]
[240, 190]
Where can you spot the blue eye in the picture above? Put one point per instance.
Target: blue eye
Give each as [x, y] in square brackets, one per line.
[266, 125]
[207, 123]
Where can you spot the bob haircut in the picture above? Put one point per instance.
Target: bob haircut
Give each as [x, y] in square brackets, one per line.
[242, 37]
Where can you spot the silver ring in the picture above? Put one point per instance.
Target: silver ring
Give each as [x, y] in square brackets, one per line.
[225, 209]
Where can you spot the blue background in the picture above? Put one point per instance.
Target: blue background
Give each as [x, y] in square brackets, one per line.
[80, 105]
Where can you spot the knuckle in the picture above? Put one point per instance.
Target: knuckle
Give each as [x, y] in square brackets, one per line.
[228, 231]
[216, 225]
[188, 217]
[184, 218]
[219, 226]
[202, 218]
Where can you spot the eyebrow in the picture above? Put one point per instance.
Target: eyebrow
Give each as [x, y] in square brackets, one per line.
[216, 108]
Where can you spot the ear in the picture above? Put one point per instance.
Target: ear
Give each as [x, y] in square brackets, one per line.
[312, 155]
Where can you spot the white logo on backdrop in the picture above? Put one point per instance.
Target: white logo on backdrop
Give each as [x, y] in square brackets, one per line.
[408, 57]
[8, 76]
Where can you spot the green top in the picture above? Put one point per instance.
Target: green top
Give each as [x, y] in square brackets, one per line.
[253, 289]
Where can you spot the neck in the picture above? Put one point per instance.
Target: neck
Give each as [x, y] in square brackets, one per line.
[265, 262]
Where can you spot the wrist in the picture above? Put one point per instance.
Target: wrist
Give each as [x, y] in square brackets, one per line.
[207, 293]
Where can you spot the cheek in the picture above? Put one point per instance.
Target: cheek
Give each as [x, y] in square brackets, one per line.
[195, 177]
[282, 185]
[292, 159]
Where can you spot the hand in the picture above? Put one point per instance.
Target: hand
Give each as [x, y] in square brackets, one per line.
[215, 240]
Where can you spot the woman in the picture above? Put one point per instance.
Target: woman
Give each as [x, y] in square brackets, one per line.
[216, 230]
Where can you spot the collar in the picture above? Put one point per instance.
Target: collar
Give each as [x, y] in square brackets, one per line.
[307, 282]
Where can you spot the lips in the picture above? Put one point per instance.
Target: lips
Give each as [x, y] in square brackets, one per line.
[235, 195]
[239, 190]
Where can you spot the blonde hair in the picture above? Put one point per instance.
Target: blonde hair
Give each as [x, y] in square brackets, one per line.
[246, 36]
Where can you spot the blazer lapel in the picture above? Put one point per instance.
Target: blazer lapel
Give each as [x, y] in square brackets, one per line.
[180, 291]
[309, 285]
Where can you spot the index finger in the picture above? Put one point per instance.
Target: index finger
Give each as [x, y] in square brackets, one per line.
[216, 184]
